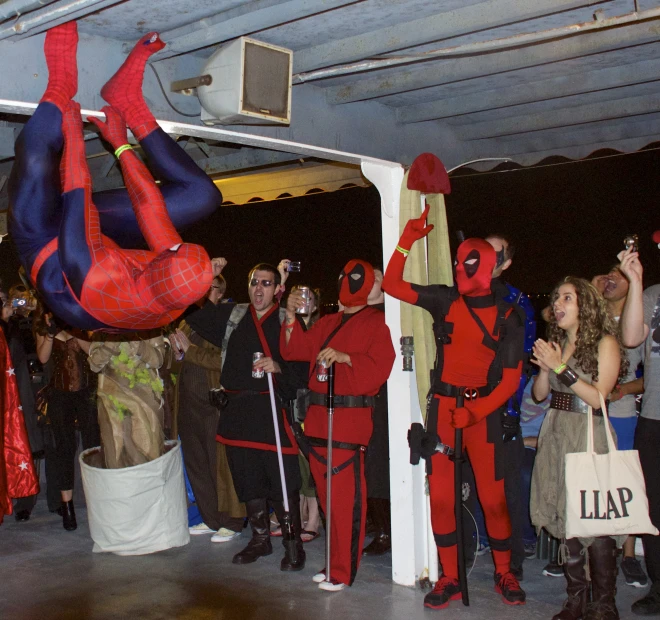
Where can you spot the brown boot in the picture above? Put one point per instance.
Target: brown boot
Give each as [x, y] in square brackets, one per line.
[259, 545]
[603, 568]
[577, 586]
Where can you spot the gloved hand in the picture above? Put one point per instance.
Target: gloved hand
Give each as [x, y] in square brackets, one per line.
[510, 426]
[114, 129]
[415, 229]
[462, 417]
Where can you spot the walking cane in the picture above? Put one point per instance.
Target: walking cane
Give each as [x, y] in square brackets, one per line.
[288, 535]
[458, 504]
[328, 487]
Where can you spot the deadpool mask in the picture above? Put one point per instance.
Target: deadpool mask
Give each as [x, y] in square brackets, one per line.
[355, 283]
[475, 261]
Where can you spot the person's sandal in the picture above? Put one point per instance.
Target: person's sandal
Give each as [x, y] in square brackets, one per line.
[310, 536]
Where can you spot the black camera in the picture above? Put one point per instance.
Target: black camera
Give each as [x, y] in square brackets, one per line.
[631, 241]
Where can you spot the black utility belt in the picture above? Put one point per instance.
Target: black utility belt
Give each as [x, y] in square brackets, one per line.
[342, 401]
[571, 402]
[317, 442]
[453, 391]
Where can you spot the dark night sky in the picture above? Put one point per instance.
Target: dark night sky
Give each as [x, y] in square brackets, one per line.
[564, 219]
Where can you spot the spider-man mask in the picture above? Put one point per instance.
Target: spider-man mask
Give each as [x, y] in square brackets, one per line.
[475, 261]
[355, 283]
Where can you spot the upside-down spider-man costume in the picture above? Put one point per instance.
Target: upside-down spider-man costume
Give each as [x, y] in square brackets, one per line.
[480, 346]
[85, 278]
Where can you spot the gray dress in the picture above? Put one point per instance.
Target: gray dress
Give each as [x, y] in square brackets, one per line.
[562, 432]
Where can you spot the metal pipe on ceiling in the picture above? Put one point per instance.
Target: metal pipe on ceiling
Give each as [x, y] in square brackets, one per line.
[15, 8]
[480, 47]
[59, 12]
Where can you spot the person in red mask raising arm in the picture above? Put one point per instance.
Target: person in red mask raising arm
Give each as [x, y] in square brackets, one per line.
[358, 342]
[480, 341]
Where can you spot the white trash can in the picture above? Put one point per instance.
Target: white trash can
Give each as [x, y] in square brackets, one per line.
[136, 510]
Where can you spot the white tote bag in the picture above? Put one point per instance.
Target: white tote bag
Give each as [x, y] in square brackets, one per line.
[605, 493]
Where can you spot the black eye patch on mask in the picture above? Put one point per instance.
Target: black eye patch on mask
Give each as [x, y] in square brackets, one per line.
[355, 284]
[471, 270]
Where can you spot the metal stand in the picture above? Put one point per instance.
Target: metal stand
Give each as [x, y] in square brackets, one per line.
[328, 488]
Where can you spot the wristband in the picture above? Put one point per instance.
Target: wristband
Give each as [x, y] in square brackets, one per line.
[560, 369]
[568, 377]
[402, 250]
[123, 148]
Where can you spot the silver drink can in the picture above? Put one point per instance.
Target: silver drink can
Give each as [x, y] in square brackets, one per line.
[257, 373]
[307, 298]
[322, 371]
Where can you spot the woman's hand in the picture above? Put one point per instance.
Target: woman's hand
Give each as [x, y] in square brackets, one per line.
[630, 265]
[616, 394]
[547, 355]
[182, 341]
[329, 355]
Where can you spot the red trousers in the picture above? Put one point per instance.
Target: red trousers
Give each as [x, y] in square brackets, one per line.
[491, 494]
[349, 509]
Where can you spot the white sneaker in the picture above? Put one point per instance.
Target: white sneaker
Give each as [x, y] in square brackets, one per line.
[224, 535]
[200, 528]
[332, 585]
[319, 577]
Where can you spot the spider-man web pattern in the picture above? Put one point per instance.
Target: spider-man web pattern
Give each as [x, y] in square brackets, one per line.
[83, 275]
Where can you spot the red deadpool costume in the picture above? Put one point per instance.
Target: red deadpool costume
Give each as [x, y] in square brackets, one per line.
[365, 353]
[480, 346]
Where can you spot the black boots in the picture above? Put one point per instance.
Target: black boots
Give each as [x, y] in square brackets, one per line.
[69, 516]
[577, 586]
[294, 554]
[603, 568]
[380, 517]
[259, 545]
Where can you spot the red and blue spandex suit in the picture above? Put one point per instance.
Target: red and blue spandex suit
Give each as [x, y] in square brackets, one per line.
[67, 238]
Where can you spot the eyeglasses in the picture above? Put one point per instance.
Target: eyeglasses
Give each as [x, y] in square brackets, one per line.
[264, 283]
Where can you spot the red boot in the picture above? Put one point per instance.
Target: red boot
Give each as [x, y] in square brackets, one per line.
[60, 49]
[124, 89]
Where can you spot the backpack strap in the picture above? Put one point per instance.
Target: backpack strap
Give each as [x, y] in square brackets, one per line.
[236, 316]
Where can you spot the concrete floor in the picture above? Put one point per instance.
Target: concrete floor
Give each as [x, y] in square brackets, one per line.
[47, 573]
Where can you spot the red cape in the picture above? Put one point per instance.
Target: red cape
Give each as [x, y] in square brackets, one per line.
[18, 477]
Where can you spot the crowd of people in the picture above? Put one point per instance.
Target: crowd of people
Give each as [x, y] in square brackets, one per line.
[250, 401]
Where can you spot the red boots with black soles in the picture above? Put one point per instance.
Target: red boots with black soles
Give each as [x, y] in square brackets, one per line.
[507, 585]
[445, 590]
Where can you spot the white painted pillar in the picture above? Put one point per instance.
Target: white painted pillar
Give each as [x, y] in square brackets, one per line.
[408, 499]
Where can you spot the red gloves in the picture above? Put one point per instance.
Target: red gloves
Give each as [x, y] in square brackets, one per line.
[415, 229]
[393, 282]
[469, 415]
[114, 129]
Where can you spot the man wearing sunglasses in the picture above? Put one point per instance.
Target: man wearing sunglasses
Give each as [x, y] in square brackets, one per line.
[246, 424]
